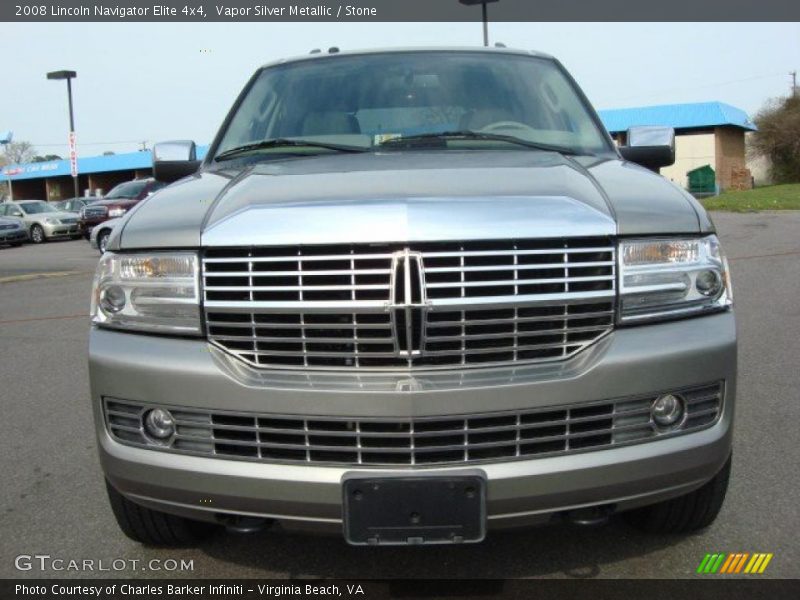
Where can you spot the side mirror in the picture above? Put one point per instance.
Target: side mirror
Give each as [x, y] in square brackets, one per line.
[174, 160]
[651, 147]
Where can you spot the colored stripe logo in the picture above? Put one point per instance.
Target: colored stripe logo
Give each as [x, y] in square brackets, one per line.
[735, 563]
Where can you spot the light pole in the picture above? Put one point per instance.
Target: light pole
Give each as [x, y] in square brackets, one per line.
[483, 4]
[69, 75]
[5, 139]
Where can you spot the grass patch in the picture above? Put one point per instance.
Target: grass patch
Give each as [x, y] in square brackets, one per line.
[771, 197]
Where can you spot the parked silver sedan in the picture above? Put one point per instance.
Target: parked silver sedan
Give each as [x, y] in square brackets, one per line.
[12, 231]
[100, 234]
[42, 220]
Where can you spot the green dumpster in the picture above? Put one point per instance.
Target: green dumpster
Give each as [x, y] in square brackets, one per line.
[702, 180]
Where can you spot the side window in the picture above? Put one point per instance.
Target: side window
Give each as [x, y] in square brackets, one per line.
[3, 207]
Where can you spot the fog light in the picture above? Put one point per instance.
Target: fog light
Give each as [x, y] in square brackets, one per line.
[668, 411]
[708, 283]
[159, 423]
[112, 299]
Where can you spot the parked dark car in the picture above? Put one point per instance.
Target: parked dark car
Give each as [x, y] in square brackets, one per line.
[12, 231]
[117, 202]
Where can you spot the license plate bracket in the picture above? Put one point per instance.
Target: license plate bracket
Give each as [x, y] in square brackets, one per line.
[419, 509]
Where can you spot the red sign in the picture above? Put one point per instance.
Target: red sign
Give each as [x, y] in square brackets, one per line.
[73, 155]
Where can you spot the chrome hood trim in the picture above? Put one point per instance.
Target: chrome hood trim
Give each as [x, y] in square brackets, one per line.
[408, 220]
[410, 196]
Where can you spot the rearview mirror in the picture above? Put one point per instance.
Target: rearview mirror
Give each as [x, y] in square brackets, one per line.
[174, 160]
[651, 147]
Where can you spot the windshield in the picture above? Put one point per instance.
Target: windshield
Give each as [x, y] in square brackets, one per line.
[127, 190]
[35, 208]
[368, 100]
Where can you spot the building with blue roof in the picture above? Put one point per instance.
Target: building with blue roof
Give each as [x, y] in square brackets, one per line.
[682, 117]
[707, 133]
[52, 180]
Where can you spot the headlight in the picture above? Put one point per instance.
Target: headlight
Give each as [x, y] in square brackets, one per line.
[117, 212]
[154, 292]
[666, 278]
[52, 221]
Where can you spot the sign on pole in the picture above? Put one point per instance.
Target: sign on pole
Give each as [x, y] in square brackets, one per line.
[73, 155]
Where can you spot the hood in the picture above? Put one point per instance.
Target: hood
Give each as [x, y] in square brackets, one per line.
[410, 196]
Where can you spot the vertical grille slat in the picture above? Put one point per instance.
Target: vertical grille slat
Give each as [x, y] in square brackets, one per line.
[428, 305]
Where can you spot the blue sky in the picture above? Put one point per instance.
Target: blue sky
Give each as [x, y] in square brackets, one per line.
[152, 82]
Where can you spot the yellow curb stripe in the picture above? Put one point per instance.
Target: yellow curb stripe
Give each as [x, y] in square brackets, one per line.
[751, 563]
[757, 564]
[30, 276]
[764, 564]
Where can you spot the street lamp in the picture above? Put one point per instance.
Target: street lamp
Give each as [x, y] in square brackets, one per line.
[69, 75]
[483, 4]
[5, 140]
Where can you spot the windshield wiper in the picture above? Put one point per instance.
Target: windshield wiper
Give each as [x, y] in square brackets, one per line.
[285, 143]
[476, 135]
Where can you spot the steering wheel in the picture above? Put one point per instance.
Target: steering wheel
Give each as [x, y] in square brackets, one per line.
[500, 126]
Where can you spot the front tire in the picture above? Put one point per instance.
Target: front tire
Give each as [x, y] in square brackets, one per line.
[102, 241]
[691, 512]
[37, 235]
[154, 528]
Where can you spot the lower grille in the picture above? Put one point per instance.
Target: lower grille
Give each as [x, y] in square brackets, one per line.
[451, 439]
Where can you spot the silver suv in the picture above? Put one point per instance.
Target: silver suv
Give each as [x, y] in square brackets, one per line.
[413, 296]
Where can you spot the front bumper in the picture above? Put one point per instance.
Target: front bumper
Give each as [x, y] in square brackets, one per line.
[61, 230]
[87, 225]
[190, 373]
[10, 236]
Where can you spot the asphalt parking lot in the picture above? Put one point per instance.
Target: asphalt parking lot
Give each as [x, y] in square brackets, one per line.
[54, 503]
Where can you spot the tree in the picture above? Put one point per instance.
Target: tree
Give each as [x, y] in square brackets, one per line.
[778, 138]
[45, 158]
[16, 153]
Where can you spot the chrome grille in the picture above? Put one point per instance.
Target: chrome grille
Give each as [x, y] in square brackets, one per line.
[69, 220]
[95, 211]
[425, 305]
[420, 441]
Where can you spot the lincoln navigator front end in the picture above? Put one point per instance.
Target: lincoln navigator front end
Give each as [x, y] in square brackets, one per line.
[413, 296]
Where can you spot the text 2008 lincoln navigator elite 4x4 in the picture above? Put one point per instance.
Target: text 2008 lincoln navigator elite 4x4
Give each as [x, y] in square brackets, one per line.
[413, 295]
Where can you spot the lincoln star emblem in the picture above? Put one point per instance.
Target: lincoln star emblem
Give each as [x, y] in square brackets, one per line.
[407, 303]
